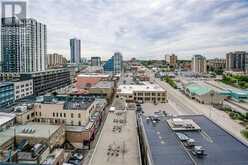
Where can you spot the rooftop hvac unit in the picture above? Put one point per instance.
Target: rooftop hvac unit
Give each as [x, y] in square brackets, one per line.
[190, 142]
[198, 151]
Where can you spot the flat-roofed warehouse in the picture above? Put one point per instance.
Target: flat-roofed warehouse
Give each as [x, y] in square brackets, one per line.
[39, 132]
[118, 141]
[143, 92]
[179, 144]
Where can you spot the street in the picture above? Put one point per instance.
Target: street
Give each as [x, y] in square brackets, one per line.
[190, 107]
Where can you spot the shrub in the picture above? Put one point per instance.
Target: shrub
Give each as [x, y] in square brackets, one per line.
[245, 133]
[232, 115]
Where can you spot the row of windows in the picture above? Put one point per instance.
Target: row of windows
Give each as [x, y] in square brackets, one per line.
[32, 115]
[149, 94]
[64, 115]
[22, 86]
[56, 121]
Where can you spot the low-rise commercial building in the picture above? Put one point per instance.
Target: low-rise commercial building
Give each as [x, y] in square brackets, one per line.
[30, 143]
[48, 81]
[237, 95]
[204, 94]
[85, 81]
[23, 89]
[196, 140]
[6, 141]
[143, 92]
[105, 88]
[6, 120]
[81, 118]
[44, 81]
[39, 133]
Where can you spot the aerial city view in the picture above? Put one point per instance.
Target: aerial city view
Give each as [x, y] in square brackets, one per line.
[121, 82]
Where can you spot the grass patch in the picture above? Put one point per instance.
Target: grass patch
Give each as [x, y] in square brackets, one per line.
[241, 118]
[236, 81]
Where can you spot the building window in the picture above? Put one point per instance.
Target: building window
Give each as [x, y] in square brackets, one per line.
[64, 114]
[79, 115]
[53, 114]
[79, 123]
[147, 94]
[57, 114]
[71, 115]
[40, 113]
[60, 114]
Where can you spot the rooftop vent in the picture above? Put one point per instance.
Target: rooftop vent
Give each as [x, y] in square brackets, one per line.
[28, 130]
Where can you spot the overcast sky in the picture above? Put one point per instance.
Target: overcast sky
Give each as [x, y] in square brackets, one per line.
[145, 29]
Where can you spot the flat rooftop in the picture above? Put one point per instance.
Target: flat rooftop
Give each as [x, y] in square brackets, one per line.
[6, 117]
[118, 141]
[144, 86]
[104, 84]
[6, 135]
[40, 130]
[220, 147]
[94, 75]
[163, 144]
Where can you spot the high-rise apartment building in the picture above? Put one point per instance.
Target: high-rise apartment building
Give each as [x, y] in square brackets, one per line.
[199, 64]
[75, 45]
[171, 59]
[95, 61]
[115, 64]
[55, 60]
[237, 61]
[216, 64]
[23, 45]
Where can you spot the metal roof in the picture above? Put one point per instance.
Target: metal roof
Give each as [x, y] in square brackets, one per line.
[164, 146]
[197, 89]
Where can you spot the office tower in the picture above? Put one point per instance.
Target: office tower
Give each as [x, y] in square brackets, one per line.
[171, 59]
[95, 61]
[108, 65]
[55, 60]
[23, 45]
[199, 64]
[237, 61]
[114, 64]
[75, 45]
[117, 63]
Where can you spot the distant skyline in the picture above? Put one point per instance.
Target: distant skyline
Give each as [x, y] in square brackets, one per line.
[145, 29]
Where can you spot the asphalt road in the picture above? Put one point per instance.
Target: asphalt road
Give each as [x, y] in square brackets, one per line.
[188, 106]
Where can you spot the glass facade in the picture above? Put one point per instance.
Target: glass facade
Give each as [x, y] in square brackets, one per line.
[108, 66]
[23, 45]
[114, 64]
[75, 45]
[6, 94]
